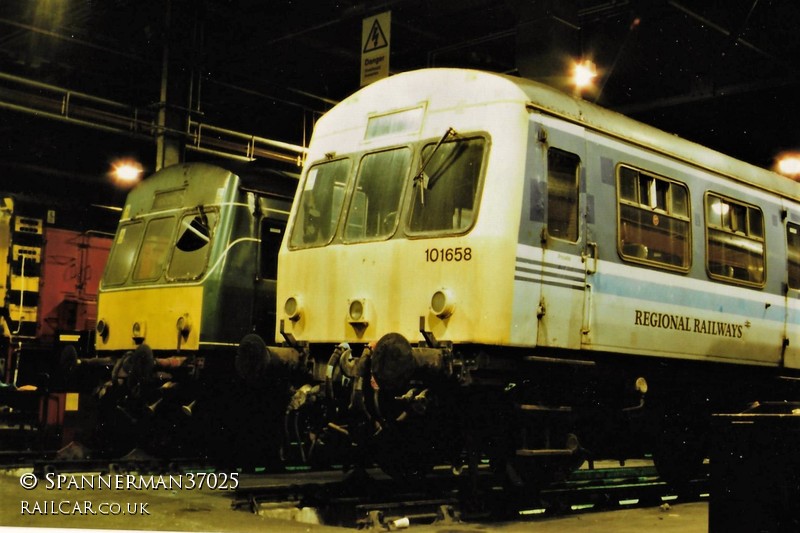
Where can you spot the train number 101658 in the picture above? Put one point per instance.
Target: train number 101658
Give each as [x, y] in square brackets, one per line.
[433, 255]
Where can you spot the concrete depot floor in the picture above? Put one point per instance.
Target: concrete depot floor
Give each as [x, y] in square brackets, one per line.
[207, 510]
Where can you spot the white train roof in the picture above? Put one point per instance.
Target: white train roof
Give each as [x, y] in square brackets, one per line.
[462, 85]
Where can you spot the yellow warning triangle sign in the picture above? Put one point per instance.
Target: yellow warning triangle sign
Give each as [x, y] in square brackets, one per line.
[376, 39]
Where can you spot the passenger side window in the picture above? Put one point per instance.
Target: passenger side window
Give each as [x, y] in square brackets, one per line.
[563, 170]
[654, 219]
[735, 241]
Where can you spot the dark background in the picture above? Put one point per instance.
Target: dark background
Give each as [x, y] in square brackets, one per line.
[721, 73]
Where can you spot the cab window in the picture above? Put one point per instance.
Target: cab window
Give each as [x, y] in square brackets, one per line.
[375, 202]
[320, 204]
[155, 248]
[734, 241]
[445, 195]
[192, 245]
[126, 242]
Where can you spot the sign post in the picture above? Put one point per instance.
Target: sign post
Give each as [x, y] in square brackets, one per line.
[375, 38]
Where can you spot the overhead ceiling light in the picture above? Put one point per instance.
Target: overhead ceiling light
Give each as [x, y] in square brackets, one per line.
[126, 171]
[788, 164]
[583, 74]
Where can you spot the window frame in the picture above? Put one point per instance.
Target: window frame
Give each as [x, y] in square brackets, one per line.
[577, 189]
[412, 192]
[265, 272]
[298, 209]
[121, 233]
[795, 228]
[350, 194]
[192, 212]
[762, 239]
[167, 256]
[656, 211]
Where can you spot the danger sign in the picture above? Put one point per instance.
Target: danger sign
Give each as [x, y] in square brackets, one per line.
[375, 39]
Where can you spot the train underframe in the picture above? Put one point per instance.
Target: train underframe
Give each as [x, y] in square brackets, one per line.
[192, 405]
[534, 417]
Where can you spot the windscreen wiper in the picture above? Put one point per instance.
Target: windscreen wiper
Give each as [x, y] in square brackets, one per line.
[421, 179]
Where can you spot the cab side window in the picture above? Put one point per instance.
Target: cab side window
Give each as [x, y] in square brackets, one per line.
[271, 236]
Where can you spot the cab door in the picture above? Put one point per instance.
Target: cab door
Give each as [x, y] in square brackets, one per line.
[272, 226]
[564, 250]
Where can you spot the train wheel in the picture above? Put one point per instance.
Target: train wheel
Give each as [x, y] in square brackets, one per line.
[679, 450]
[403, 453]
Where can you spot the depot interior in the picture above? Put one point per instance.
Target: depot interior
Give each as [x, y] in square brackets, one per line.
[83, 83]
[86, 86]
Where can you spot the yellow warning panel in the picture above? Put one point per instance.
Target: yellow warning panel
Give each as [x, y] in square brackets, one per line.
[27, 283]
[72, 401]
[30, 253]
[31, 226]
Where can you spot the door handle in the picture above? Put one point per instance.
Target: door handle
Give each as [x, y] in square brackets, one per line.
[589, 256]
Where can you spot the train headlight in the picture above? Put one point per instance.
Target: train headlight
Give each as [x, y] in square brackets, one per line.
[138, 331]
[293, 308]
[102, 329]
[443, 303]
[358, 311]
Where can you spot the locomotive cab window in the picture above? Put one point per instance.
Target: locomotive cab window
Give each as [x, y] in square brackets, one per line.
[654, 221]
[734, 241]
[445, 199]
[320, 205]
[793, 248]
[192, 245]
[563, 171]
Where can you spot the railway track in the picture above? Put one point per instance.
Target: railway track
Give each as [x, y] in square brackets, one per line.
[76, 460]
[373, 500]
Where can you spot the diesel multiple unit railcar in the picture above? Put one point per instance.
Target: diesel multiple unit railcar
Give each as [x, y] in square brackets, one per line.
[191, 272]
[478, 265]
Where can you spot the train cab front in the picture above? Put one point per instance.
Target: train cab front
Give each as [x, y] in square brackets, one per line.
[398, 265]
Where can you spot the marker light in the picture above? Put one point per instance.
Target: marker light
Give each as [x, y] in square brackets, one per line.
[443, 303]
[102, 329]
[138, 331]
[184, 325]
[357, 311]
[293, 308]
